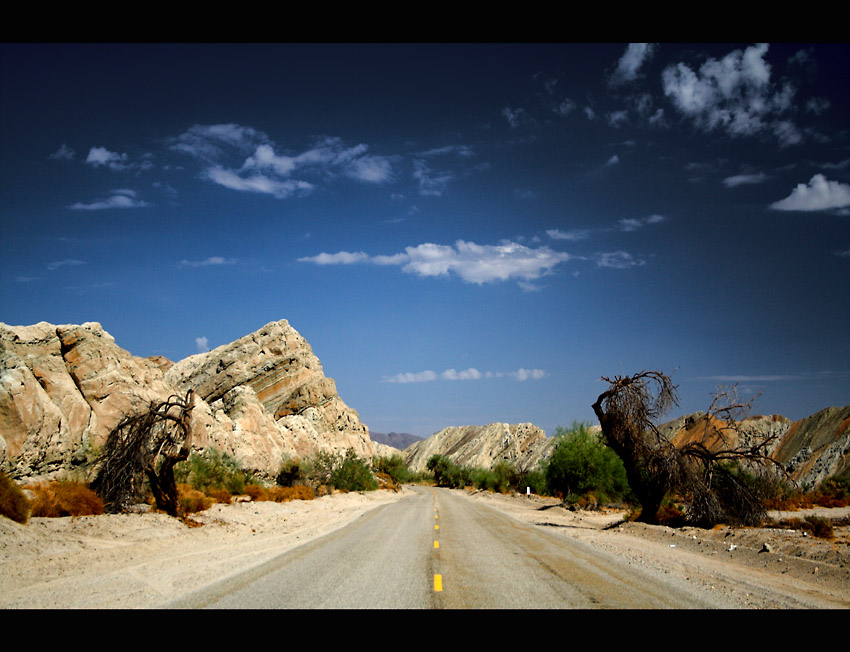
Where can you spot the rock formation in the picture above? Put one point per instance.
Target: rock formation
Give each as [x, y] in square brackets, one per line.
[63, 388]
[522, 445]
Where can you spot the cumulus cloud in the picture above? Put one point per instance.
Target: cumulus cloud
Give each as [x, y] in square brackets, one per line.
[210, 142]
[471, 262]
[629, 65]
[733, 94]
[99, 156]
[744, 179]
[120, 198]
[203, 344]
[613, 160]
[428, 375]
[820, 194]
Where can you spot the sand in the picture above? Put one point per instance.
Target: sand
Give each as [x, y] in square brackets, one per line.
[145, 560]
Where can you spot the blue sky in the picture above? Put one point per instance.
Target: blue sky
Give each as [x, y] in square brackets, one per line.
[464, 233]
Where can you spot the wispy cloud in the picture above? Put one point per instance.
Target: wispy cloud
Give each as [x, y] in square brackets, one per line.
[516, 117]
[203, 344]
[745, 179]
[100, 156]
[67, 262]
[819, 195]
[633, 223]
[431, 183]
[571, 235]
[618, 260]
[120, 198]
[734, 94]
[470, 374]
[629, 65]
[245, 159]
[471, 262]
[64, 153]
[212, 261]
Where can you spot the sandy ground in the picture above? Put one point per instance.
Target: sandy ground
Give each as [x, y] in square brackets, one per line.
[146, 560]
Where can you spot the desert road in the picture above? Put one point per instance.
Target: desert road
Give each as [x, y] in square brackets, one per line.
[440, 549]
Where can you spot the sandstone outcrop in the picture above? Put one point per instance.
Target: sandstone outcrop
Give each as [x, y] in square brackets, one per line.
[63, 389]
[522, 445]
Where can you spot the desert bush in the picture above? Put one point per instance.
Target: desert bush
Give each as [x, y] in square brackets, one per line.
[256, 492]
[818, 526]
[192, 500]
[393, 466]
[13, 502]
[222, 496]
[64, 498]
[285, 494]
[353, 474]
[581, 462]
[294, 471]
[448, 474]
[214, 470]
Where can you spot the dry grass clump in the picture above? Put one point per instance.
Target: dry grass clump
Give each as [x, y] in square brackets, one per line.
[285, 494]
[64, 498]
[817, 526]
[13, 502]
[191, 500]
[385, 481]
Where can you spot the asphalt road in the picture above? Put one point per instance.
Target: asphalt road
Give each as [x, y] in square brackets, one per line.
[439, 549]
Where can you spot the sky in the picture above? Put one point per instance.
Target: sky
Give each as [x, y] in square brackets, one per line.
[464, 233]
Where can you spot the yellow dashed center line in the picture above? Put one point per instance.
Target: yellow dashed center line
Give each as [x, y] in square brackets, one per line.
[436, 544]
[438, 582]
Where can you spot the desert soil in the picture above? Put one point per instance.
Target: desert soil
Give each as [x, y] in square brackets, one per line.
[147, 560]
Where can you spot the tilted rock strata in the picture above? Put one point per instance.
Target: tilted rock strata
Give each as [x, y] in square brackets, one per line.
[63, 389]
[522, 445]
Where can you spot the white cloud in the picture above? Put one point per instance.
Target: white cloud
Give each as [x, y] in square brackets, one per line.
[67, 262]
[203, 344]
[744, 179]
[629, 224]
[209, 142]
[473, 263]
[572, 234]
[618, 260]
[64, 153]
[633, 58]
[733, 94]
[341, 258]
[372, 169]
[430, 183]
[516, 117]
[613, 160]
[469, 374]
[101, 156]
[258, 183]
[208, 262]
[120, 198]
[820, 194]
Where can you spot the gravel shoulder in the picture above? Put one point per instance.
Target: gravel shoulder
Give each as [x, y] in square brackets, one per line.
[753, 568]
[147, 560]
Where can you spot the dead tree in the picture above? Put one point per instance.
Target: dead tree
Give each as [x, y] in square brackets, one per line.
[707, 468]
[147, 444]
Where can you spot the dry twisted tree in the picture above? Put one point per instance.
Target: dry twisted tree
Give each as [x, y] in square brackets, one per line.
[147, 444]
[707, 468]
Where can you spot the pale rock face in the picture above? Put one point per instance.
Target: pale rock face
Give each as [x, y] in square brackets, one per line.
[263, 397]
[522, 445]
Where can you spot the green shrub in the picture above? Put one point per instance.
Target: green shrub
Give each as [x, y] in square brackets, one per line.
[293, 472]
[343, 472]
[13, 502]
[581, 463]
[214, 470]
[448, 474]
[394, 466]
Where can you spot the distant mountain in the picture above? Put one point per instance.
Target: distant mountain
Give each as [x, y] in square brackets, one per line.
[399, 440]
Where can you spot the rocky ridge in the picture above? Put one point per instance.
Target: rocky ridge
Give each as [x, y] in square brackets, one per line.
[522, 445]
[63, 388]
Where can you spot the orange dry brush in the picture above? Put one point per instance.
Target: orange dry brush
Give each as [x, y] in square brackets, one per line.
[64, 498]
